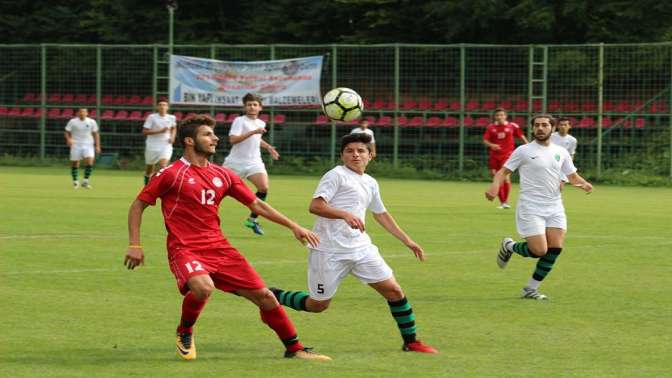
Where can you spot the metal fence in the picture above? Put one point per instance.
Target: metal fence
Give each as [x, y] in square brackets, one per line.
[429, 104]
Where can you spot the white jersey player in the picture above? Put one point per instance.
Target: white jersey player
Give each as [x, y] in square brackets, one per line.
[245, 155]
[540, 214]
[562, 137]
[160, 129]
[83, 138]
[364, 128]
[340, 202]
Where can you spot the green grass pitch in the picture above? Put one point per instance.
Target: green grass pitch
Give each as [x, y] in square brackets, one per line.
[70, 309]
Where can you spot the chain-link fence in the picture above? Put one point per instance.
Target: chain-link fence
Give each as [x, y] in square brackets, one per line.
[427, 104]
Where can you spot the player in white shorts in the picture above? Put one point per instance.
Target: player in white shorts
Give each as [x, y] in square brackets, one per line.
[563, 139]
[160, 129]
[540, 214]
[364, 128]
[340, 203]
[245, 155]
[83, 138]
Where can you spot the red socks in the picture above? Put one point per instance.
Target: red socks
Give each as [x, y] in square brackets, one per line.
[191, 308]
[278, 321]
[504, 192]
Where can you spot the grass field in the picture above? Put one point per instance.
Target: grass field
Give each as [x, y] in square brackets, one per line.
[70, 309]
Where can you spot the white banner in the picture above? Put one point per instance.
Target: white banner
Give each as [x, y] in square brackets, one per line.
[289, 82]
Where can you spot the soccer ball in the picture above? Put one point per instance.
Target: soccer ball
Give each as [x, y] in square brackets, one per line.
[342, 104]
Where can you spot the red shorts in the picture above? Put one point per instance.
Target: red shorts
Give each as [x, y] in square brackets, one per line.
[496, 162]
[228, 269]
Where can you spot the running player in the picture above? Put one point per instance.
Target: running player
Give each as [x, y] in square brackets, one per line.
[540, 214]
[81, 135]
[499, 137]
[159, 128]
[340, 203]
[199, 255]
[245, 155]
[364, 128]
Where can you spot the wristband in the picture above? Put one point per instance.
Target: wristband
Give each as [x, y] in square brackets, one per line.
[134, 246]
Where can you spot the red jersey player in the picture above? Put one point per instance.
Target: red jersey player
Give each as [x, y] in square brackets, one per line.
[499, 137]
[199, 255]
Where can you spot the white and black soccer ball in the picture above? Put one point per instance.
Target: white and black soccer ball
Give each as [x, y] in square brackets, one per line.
[342, 104]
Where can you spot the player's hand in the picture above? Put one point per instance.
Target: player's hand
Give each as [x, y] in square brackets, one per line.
[495, 147]
[306, 237]
[354, 222]
[134, 257]
[585, 186]
[260, 130]
[491, 193]
[274, 153]
[417, 250]
[98, 150]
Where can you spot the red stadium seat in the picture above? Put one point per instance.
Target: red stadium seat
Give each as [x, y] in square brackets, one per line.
[371, 120]
[451, 122]
[54, 113]
[92, 100]
[28, 112]
[402, 121]
[385, 121]
[107, 100]
[589, 107]
[441, 104]
[520, 121]
[622, 107]
[488, 105]
[279, 119]
[416, 122]
[135, 115]
[408, 105]
[31, 97]
[148, 113]
[264, 117]
[178, 116]
[391, 105]
[121, 115]
[92, 113]
[468, 121]
[148, 101]
[321, 120]
[637, 106]
[521, 106]
[424, 104]
[108, 115]
[606, 123]
[640, 123]
[69, 113]
[471, 106]
[536, 105]
[434, 121]
[119, 100]
[134, 100]
[366, 103]
[378, 104]
[81, 99]
[54, 98]
[506, 105]
[554, 106]
[608, 106]
[586, 122]
[482, 122]
[455, 105]
[571, 107]
[68, 98]
[660, 107]
[38, 113]
[3, 111]
[14, 112]
[219, 117]
[232, 117]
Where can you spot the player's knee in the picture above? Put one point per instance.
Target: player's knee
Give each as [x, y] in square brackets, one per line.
[202, 289]
[538, 251]
[267, 299]
[394, 293]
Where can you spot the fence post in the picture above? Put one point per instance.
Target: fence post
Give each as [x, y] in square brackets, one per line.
[334, 83]
[155, 72]
[600, 108]
[43, 98]
[271, 131]
[530, 88]
[463, 70]
[99, 78]
[669, 116]
[395, 148]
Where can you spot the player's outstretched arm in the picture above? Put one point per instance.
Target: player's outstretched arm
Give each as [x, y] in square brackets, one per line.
[271, 150]
[134, 253]
[234, 139]
[321, 208]
[497, 181]
[267, 211]
[580, 183]
[387, 221]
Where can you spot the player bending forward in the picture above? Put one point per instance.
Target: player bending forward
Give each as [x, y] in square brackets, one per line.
[199, 255]
[245, 155]
[340, 203]
[540, 214]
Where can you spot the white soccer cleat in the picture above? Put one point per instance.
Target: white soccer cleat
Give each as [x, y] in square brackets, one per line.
[506, 206]
[529, 293]
[504, 254]
[75, 185]
[86, 185]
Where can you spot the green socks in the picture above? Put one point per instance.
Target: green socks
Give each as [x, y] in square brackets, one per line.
[87, 171]
[522, 249]
[545, 263]
[74, 171]
[403, 315]
[293, 299]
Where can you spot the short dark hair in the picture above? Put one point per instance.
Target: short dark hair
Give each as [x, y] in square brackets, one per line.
[497, 110]
[162, 99]
[356, 138]
[564, 119]
[251, 97]
[543, 115]
[189, 126]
